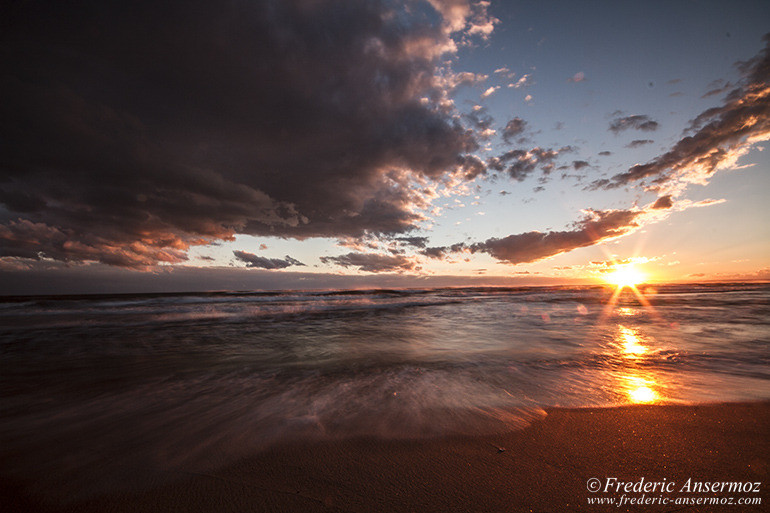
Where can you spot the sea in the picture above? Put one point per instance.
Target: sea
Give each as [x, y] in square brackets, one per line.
[100, 392]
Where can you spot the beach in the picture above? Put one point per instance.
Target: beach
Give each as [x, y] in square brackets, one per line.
[543, 467]
[474, 399]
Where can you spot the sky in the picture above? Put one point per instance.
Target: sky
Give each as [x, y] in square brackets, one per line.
[244, 145]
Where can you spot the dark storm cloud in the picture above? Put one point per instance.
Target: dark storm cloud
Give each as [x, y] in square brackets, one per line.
[132, 131]
[513, 128]
[372, 262]
[637, 122]
[639, 142]
[595, 227]
[718, 134]
[257, 261]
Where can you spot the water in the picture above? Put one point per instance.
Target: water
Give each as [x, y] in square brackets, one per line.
[102, 392]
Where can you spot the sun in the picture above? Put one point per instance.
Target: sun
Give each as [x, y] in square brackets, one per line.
[625, 276]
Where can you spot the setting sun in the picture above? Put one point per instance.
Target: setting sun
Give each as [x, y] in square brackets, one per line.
[625, 276]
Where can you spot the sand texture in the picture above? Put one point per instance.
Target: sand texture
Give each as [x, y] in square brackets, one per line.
[544, 467]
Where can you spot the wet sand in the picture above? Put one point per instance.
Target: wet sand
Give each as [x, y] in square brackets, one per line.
[544, 467]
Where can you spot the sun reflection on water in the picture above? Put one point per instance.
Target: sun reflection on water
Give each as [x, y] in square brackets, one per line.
[631, 343]
[635, 382]
[639, 390]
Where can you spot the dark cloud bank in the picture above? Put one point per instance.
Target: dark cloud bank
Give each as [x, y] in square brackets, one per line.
[595, 227]
[133, 130]
[372, 262]
[259, 262]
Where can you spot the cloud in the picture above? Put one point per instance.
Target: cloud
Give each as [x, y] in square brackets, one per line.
[489, 92]
[514, 127]
[639, 142]
[481, 122]
[435, 252]
[719, 137]
[417, 242]
[717, 87]
[580, 164]
[464, 78]
[463, 15]
[637, 122]
[259, 262]
[663, 202]
[27, 239]
[373, 262]
[291, 119]
[577, 77]
[521, 82]
[441, 252]
[597, 226]
[519, 164]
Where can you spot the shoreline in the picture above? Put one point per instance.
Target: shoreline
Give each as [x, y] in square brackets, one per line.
[542, 467]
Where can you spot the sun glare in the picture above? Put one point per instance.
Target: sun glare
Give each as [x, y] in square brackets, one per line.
[642, 395]
[625, 276]
[640, 390]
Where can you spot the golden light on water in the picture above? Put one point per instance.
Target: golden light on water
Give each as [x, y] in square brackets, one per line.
[631, 342]
[640, 390]
[632, 380]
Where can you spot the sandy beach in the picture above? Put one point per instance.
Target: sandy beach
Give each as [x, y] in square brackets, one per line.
[544, 467]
